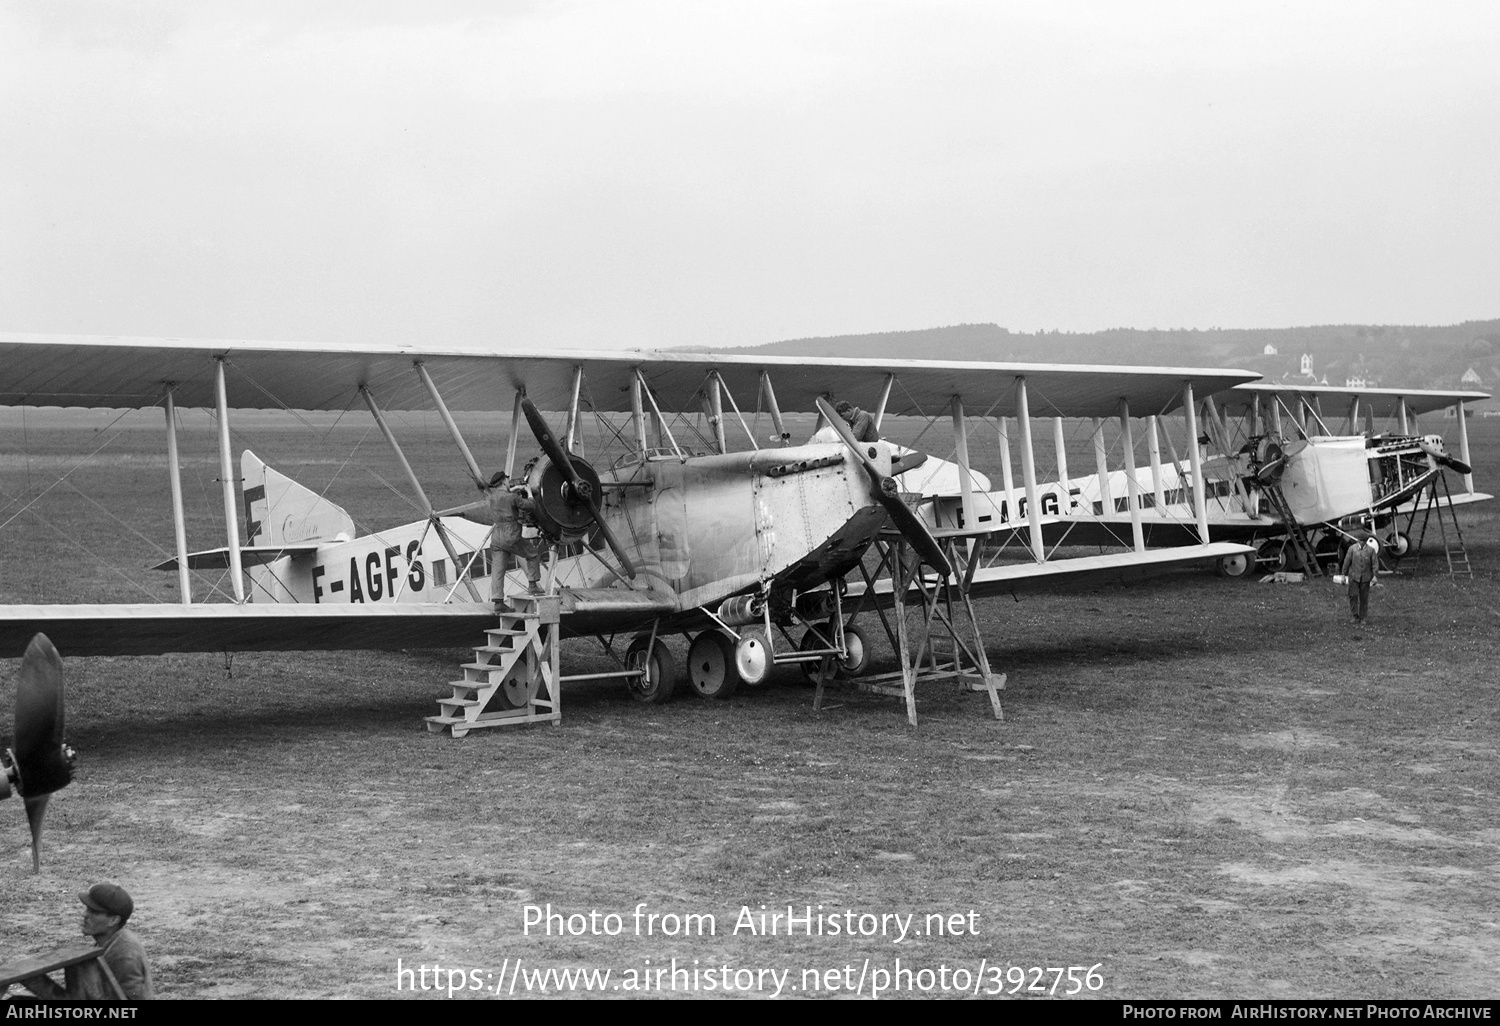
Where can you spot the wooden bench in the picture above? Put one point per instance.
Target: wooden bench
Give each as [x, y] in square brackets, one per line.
[26, 967]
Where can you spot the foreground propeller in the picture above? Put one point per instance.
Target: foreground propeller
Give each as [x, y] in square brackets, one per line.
[579, 491]
[888, 495]
[39, 763]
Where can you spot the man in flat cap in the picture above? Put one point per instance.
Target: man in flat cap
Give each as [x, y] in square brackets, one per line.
[106, 910]
[507, 543]
[861, 422]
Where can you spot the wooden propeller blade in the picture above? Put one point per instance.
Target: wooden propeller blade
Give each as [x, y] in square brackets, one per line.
[1452, 463]
[39, 721]
[888, 495]
[42, 762]
[36, 808]
[581, 488]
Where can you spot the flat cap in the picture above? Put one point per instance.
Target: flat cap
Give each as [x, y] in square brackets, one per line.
[108, 897]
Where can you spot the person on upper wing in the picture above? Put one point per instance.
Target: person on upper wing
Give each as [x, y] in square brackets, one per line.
[1360, 563]
[506, 540]
[861, 422]
[106, 909]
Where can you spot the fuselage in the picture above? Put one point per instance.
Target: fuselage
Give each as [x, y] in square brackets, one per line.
[698, 531]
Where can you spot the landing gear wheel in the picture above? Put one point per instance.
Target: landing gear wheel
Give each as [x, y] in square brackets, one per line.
[711, 669]
[1235, 566]
[1329, 551]
[660, 680]
[1400, 545]
[1272, 556]
[816, 638]
[751, 660]
[858, 647]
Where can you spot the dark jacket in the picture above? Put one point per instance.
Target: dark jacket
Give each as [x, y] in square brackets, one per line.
[126, 958]
[862, 423]
[1360, 563]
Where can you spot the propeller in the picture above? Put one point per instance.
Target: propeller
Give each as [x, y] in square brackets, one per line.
[1432, 445]
[888, 495]
[42, 763]
[579, 491]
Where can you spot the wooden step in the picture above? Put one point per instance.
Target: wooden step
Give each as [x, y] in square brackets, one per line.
[489, 672]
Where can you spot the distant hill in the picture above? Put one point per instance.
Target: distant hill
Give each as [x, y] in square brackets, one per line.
[1385, 356]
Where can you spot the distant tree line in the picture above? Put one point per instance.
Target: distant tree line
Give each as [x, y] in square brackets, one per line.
[1410, 356]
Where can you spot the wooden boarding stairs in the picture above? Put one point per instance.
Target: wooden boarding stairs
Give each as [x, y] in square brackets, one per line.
[515, 676]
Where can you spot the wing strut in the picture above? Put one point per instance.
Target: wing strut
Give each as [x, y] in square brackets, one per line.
[1195, 461]
[442, 408]
[416, 485]
[736, 407]
[716, 412]
[769, 394]
[1028, 472]
[227, 477]
[1059, 442]
[661, 421]
[1132, 485]
[961, 451]
[1101, 468]
[1153, 446]
[179, 522]
[885, 397]
[1463, 447]
[1007, 474]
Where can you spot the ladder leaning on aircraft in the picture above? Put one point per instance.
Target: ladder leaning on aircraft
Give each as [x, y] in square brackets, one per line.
[664, 541]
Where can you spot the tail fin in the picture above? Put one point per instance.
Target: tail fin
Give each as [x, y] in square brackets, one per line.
[280, 511]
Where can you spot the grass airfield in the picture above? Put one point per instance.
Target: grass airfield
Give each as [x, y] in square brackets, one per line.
[1202, 788]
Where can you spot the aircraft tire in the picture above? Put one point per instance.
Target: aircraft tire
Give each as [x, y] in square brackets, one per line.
[751, 659]
[661, 678]
[1235, 566]
[711, 665]
[1273, 556]
[811, 640]
[858, 646]
[1399, 546]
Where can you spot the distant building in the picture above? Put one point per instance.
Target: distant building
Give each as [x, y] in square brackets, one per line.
[1471, 377]
[1356, 381]
[1270, 350]
[1305, 375]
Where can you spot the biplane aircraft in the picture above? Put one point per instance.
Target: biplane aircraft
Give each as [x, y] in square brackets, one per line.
[735, 541]
[1277, 476]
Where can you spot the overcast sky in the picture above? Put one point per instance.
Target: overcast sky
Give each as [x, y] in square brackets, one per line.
[606, 174]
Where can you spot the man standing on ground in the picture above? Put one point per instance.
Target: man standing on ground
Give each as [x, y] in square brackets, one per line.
[1360, 564]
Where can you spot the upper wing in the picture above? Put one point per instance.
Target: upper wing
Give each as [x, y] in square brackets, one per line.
[1382, 402]
[95, 371]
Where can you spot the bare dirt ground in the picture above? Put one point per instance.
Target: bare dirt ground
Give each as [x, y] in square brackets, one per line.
[1203, 788]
